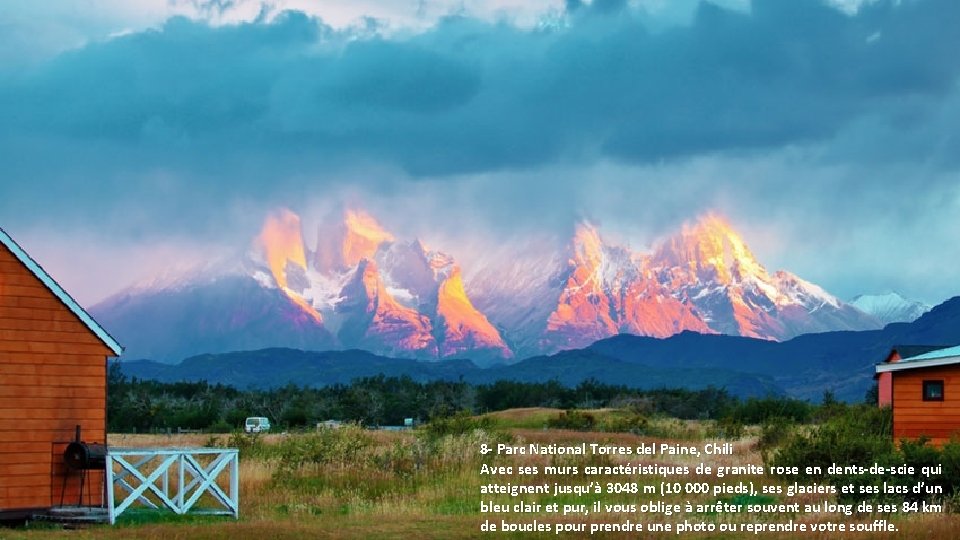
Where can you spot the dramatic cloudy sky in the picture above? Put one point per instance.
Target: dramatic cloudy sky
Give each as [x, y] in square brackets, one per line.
[134, 133]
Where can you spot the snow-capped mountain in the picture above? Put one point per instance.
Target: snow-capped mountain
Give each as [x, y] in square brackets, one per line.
[890, 307]
[709, 266]
[704, 279]
[606, 291]
[362, 287]
[376, 292]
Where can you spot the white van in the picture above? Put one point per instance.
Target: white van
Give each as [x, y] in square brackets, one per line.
[256, 424]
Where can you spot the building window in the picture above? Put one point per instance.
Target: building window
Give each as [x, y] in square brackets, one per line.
[933, 390]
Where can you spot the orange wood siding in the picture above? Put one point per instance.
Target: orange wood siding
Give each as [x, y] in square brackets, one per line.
[913, 417]
[52, 377]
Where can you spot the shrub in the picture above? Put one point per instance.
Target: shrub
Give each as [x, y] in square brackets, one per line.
[641, 405]
[573, 419]
[458, 424]
[855, 436]
[249, 444]
[774, 432]
[729, 427]
[950, 459]
[624, 423]
[221, 427]
[402, 459]
[758, 411]
[341, 446]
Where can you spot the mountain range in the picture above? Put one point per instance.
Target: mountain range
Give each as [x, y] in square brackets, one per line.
[802, 367]
[360, 287]
[889, 307]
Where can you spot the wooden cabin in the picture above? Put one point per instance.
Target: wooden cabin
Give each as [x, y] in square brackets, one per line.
[898, 353]
[925, 394]
[53, 378]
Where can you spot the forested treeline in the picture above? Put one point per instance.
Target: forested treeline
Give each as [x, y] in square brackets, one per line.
[144, 405]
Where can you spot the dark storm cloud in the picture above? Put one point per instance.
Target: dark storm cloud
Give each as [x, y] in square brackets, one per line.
[469, 96]
[791, 114]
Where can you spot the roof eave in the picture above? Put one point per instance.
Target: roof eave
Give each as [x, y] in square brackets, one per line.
[935, 362]
[60, 293]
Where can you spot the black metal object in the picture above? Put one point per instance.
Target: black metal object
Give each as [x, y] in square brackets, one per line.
[81, 456]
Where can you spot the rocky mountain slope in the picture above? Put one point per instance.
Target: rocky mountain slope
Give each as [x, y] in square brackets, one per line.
[361, 287]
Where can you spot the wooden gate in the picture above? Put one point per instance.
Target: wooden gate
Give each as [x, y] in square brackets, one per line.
[184, 474]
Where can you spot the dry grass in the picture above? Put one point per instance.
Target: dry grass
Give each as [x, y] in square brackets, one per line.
[405, 486]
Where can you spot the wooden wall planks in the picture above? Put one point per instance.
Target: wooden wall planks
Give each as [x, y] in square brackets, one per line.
[52, 378]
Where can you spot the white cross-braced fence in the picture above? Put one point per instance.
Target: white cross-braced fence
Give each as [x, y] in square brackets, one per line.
[132, 475]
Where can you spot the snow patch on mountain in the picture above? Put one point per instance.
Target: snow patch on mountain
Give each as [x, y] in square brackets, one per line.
[890, 307]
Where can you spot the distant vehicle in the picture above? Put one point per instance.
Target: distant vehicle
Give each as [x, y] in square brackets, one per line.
[256, 424]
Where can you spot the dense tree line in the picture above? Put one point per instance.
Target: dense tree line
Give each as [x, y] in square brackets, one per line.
[145, 405]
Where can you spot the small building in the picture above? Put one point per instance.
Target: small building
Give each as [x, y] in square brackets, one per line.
[897, 354]
[924, 391]
[53, 378]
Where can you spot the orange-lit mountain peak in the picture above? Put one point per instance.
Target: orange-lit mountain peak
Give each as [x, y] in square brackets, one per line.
[464, 327]
[362, 235]
[710, 226]
[711, 219]
[587, 245]
[281, 241]
[376, 294]
[710, 244]
[376, 319]
[453, 292]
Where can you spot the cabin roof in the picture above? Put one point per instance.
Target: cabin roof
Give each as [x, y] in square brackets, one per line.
[939, 357]
[58, 291]
[911, 351]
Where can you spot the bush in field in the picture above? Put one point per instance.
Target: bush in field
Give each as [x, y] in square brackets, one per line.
[729, 427]
[339, 446]
[249, 444]
[641, 405]
[624, 423]
[760, 410]
[402, 458]
[950, 458]
[573, 419]
[861, 435]
[774, 432]
[950, 479]
[457, 424]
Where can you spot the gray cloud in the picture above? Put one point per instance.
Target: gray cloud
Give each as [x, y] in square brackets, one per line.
[791, 114]
[471, 96]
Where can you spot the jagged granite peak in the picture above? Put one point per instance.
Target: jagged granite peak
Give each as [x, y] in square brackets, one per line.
[582, 314]
[605, 292]
[364, 287]
[708, 250]
[704, 278]
[433, 282]
[411, 266]
[375, 320]
[890, 307]
[281, 245]
[461, 327]
[343, 242]
[398, 294]
[281, 242]
[710, 266]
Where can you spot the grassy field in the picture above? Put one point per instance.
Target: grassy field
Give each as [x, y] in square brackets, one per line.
[352, 483]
